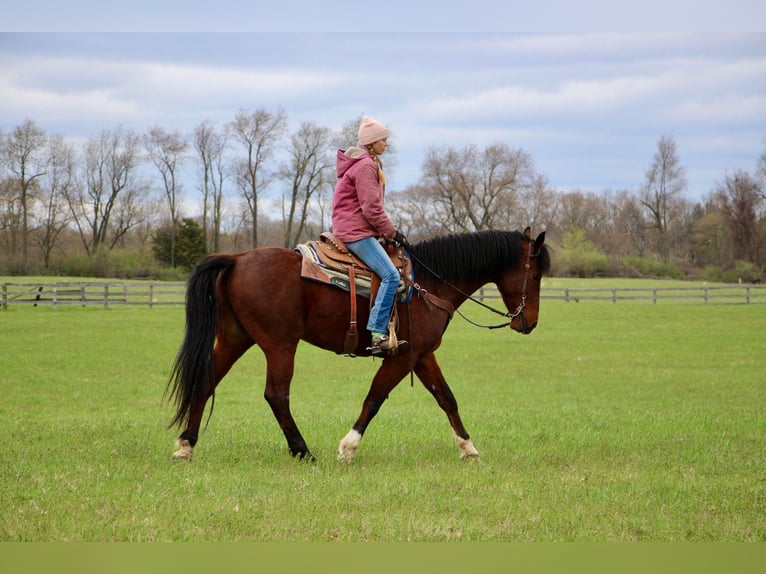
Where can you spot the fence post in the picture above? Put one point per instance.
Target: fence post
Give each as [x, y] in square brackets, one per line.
[106, 295]
[5, 296]
[705, 294]
[566, 295]
[151, 295]
[614, 295]
[654, 296]
[747, 294]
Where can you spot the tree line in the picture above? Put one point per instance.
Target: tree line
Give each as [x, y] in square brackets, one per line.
[118, 203]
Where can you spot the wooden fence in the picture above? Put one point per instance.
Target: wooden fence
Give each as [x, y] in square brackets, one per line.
[92, 293]
[158, 294]
[732, 294]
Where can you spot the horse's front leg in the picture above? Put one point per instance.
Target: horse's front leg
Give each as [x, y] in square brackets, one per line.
[279, 374]
[430, 374]
[391, 372]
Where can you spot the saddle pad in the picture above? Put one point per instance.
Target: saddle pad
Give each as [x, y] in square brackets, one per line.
[315, 268]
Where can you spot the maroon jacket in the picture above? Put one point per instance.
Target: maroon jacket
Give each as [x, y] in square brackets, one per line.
[357, 204]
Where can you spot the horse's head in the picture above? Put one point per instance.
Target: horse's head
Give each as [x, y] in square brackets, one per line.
[519, 285]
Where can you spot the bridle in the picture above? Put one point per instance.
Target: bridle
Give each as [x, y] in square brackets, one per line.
[510, 315]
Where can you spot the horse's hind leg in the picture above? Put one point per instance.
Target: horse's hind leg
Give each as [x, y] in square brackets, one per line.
[430, 374]
[280, 366]
[225, 353]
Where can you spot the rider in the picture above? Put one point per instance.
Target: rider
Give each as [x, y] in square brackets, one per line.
[359, 220]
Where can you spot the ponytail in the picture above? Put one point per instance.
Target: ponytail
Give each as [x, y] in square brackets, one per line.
[378, 163]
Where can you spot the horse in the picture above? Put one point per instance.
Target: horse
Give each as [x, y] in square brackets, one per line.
[258, 297]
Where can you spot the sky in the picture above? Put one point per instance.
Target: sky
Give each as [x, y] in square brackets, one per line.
[589, 107]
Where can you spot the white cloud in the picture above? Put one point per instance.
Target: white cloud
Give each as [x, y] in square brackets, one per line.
[46, 104]
[71, 89]
[571, 100]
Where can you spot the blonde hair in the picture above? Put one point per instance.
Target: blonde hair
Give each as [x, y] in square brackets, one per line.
[378, 163]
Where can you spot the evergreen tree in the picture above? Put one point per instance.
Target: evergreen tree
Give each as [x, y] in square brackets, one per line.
[190, 244]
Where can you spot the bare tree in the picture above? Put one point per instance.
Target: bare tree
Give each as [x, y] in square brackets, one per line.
[210, 145]
[760, 173]
[476, 189]
[149, 220]
[308, 171]
[347, 135]
[619, 224]
[10, 222]
[632, 223]
[580, 209]
[741, 201]
[709, 244]
[415, 216]
[166, 151]
[536, 206]
[55, 186]
[105, 204]
[258, 132]
[23, 154]
[665, 181]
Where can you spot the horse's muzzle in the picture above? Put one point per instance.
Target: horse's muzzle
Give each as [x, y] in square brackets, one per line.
[523, 327]
[529, 328]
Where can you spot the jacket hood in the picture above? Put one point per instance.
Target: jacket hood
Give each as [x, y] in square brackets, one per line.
[347, 158]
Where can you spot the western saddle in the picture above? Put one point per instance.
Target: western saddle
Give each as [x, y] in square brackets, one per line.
[330, 261]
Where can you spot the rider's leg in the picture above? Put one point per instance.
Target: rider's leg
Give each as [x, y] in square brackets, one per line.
[372, 253]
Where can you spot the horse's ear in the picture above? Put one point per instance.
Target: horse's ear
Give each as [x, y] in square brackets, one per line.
[540, 240]
[528, 233]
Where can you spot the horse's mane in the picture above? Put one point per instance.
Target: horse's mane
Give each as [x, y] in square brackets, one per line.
[470, 255]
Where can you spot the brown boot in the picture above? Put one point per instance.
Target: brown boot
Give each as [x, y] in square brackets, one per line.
[385, 345]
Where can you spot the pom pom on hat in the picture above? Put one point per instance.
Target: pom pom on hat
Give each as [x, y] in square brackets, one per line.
[371, 131]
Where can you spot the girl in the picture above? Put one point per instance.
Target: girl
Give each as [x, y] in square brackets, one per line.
[359, 220]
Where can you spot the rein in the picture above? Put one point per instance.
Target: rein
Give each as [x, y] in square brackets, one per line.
[510, 315]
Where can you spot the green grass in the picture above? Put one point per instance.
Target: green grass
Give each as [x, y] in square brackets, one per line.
[610, 422]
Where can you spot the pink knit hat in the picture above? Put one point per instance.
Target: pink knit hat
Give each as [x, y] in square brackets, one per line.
[371, 131]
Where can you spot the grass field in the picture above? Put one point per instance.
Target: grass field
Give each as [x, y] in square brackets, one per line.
[610, 422]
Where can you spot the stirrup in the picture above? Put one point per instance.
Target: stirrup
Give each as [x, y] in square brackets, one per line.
[385, 345]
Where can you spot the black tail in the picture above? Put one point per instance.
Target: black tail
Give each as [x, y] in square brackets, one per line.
[191, 378]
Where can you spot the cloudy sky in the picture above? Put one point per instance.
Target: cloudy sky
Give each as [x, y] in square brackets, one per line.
[588, 107]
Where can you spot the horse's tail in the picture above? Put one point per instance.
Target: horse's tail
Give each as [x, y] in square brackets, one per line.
[191, 378]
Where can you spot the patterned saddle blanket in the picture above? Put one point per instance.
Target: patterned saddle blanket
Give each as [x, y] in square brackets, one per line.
[328, 261]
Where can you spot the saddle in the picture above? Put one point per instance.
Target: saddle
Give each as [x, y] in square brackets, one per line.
[329, 261]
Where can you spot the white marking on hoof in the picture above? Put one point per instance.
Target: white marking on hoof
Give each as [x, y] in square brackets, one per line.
[184, 450]
[348, 446]
[467, 450]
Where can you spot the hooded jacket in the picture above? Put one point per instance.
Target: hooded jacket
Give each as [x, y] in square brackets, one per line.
[357, 204]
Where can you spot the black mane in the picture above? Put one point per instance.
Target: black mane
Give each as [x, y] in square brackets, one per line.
[470, 255]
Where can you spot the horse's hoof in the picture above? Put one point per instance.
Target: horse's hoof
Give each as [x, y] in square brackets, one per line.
[305, 456]
[347, 457]
[467, 450]
[347, 447]
[184, 451]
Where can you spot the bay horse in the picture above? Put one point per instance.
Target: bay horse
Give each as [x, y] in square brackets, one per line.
[258, 297]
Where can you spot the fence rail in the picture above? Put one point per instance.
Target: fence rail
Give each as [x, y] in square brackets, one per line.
[159, 294]
[732, 294]
[92, 293]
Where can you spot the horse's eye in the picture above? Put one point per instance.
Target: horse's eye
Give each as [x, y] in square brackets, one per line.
[536, 277]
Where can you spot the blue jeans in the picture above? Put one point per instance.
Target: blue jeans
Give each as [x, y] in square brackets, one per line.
[376, 258]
